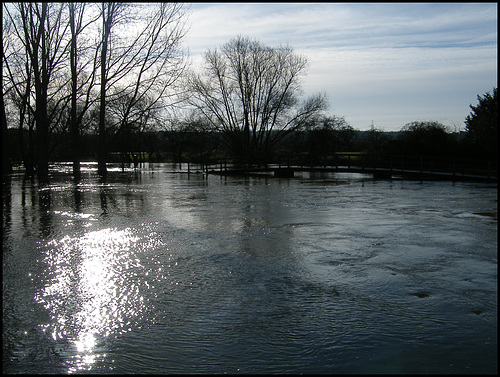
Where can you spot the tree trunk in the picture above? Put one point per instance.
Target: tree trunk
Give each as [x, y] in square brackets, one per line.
[74, 122]
[42, 137]
[6, 162]
[41, 85]
[101, 157]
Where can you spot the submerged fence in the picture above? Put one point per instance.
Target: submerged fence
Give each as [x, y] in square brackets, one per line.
[388, 165]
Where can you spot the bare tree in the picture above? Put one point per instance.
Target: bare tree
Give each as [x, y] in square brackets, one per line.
[83, 74]
[109, 11]
[19, 95]
[56, 75]
[6, 161]
[142, 67]
[44, 31]
[126, 134]
[249, 92]
[17, 83]
[73, 57]
[40, 29]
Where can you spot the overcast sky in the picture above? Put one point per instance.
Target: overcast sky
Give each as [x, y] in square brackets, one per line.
[386, 63]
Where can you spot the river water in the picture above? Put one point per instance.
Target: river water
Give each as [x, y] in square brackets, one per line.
[156, 271]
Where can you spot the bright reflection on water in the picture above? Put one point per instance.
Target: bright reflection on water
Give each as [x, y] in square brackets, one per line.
[89, 292]
[158, 271]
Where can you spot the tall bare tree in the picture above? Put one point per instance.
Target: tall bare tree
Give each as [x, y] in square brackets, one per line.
[82, 76]
[6, 162]
[109, 11]
[141, 59]
[44, 28]
[250, 91]
[57, 74]
[74, 27]
[40, 29]
[17, 84]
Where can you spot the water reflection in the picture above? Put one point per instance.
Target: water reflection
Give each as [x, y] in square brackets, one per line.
[85, 274]
[90, 291]
[156, 272]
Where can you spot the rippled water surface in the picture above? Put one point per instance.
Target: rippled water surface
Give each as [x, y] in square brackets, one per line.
[156, 271]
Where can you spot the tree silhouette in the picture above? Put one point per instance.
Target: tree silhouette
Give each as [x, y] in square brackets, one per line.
[424, 138]
[38, 53]
[58, 76]
[142, 67]
[249, 94]
[482, 125]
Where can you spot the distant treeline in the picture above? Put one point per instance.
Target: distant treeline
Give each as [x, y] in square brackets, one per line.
[199, 146]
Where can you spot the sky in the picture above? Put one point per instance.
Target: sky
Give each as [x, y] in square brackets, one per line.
[380, 64]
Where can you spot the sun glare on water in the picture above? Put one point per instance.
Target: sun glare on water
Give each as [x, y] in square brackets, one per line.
[91, 292]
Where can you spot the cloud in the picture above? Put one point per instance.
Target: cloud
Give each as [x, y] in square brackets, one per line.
[422, 81]
[338, 25]
[385, 61]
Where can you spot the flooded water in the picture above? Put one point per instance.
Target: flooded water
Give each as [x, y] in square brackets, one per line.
[155, 271]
